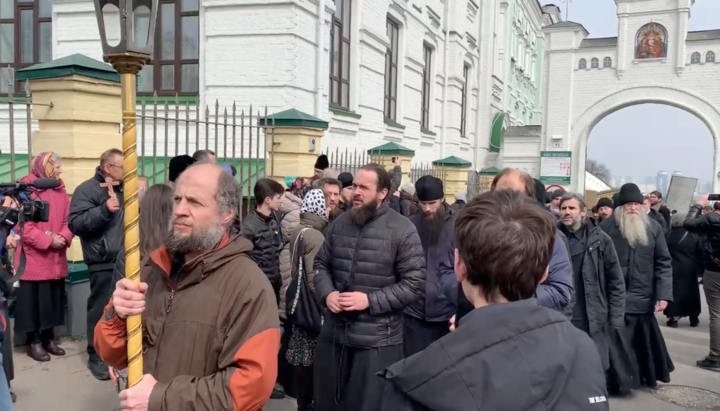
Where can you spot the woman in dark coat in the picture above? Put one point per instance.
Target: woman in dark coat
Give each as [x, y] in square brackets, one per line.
[686, 250]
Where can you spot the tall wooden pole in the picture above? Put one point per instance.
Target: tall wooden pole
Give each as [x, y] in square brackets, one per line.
[128, 65]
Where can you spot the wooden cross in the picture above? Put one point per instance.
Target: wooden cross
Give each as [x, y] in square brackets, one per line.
[109, 183]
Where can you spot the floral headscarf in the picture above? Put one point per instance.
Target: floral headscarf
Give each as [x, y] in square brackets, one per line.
[314, 203]
[43, 167]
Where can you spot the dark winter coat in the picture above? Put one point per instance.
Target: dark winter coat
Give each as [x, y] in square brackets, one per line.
[603, 285]
[384, 259]
[533, 359]
[408, 208]
[686, 250]
[101, 232]
[647, 269]
[708, 225]
[437, 304]
[655, 215]
[459, 205]
[266, 237]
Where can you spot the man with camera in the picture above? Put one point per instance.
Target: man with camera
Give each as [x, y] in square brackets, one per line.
[96, 216]
[709, 225]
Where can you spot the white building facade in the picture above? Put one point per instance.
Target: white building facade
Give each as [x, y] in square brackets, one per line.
[654, 59]
[430, 75]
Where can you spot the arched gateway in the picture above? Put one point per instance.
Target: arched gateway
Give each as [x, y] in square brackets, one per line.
[654, 59]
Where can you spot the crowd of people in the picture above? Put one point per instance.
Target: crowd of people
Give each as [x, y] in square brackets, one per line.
[358, 292]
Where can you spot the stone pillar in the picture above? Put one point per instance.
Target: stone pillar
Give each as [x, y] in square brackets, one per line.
[455, 171]
[292, 144]
[76, 102]
[386, 154]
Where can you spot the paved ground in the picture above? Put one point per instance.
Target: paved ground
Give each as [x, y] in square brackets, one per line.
[65, 383]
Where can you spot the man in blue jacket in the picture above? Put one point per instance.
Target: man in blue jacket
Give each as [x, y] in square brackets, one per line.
[556, 291]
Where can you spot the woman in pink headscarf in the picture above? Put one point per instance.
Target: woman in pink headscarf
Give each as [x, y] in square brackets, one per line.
[41, 297]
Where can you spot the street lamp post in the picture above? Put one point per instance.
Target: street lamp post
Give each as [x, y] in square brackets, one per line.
[127, 31]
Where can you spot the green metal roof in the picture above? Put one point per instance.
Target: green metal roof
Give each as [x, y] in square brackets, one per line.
[391, 148]
[67, 66]
[497, 133]
[452, 161]
[293, 118]
[490, 171]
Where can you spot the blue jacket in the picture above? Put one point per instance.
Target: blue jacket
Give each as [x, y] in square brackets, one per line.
[554, 293]
[439, 301]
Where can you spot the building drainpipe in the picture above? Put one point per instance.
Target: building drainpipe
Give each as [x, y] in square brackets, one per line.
[478, 100]
[320, 34]
[446, 53]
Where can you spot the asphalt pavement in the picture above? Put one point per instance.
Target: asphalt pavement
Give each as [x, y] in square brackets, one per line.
[64, 383]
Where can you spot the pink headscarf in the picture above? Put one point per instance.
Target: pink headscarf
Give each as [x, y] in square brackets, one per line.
[43, 167]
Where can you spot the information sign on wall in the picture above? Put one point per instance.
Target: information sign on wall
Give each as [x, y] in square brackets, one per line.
[555, 167]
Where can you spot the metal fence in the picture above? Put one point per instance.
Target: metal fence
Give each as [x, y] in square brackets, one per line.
[478, 183]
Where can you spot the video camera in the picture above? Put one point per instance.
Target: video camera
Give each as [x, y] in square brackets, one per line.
[28, 208]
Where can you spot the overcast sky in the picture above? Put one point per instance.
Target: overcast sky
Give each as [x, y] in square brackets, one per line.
[674, 139]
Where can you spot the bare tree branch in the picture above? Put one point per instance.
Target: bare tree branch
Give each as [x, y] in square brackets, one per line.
[598, 169]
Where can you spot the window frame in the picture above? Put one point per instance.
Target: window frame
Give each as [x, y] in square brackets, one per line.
[582, 64]
[177, 62]
[17, 63]
[607, 62]
[345, 47]
[463, 101]
[427, 86]
[391, 66]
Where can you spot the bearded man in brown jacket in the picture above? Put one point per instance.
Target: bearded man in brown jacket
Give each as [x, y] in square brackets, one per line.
[210, 324]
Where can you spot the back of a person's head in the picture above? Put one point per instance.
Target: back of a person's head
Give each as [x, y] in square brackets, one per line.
[155, 216]
[505, 242]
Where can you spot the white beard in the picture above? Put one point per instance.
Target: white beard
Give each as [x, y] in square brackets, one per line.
[633, 227]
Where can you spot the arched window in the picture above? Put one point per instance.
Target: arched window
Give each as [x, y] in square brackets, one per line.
[607, 62]
[651, 42]
[594, 63]
[710, 57]
[695, 58]
[582, 64]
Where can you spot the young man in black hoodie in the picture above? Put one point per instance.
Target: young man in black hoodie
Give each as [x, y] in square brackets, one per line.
[509, 353]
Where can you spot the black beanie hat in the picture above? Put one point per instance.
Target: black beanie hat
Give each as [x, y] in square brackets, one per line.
[539, 191]
[429, 188]
[346, 179]
[629, 193]
[322, 162]
[558, 193]
[177, 165]
[604, 202]
[615, 200]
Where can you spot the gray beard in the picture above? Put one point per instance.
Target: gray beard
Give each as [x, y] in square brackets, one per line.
[633, 227]
[204, 240]
[575, 226]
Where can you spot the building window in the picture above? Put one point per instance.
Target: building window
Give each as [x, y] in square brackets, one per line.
[391, 74]
[710, 57]
[427, 81]
[695, 58]
[340, 55]
[25, 37]
[607, 62]
[594, 63]
[175, 65]
[582, 64]
[463, 102]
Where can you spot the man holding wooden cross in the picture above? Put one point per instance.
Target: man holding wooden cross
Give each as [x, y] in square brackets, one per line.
[96, 216]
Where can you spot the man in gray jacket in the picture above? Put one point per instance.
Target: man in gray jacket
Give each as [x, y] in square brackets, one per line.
[370, 267]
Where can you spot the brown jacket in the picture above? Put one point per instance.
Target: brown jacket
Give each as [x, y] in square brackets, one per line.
[211, 341]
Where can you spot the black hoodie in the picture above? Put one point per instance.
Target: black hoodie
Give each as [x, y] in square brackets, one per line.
[503, 357]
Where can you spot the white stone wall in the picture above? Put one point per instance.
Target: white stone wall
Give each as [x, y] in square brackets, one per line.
[576, 100]
[595, 184]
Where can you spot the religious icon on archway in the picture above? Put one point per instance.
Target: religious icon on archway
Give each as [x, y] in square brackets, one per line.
[651, 42]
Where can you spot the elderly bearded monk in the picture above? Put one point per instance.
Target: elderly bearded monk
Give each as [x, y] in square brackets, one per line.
[646, 265]
[210, 323]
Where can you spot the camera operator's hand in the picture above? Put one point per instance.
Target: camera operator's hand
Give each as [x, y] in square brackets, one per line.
[9, 202]
[12, 241]
[113, 205]
[59, 242]
[129, 298]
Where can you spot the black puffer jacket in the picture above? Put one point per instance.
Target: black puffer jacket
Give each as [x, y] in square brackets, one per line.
[384, 259]
[266, 236]
[101, 232]
[708, 225]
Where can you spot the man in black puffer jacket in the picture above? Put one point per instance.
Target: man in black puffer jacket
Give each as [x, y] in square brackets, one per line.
[709, 225]
[97, 218]
[370, 267]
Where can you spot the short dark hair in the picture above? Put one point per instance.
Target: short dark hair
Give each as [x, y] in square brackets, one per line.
[329, 181]
[266, 187]
[383, 177]
[203, 155]
[107, 155]
[525, 177]
[506, 242]
[656, 193]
